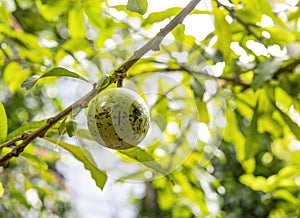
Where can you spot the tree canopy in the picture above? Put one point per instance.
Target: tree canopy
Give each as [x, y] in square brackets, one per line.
[225, 112]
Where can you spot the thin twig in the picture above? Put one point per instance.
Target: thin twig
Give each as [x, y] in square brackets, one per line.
[11, 142]
[154, 43]
[288, 68]
[235, 80]
[81, 103]
[243, 23]
[119, 75]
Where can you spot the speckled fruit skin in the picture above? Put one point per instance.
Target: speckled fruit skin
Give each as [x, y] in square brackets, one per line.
[118, 118]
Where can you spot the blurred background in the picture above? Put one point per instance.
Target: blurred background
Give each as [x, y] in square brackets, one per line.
[223, 92]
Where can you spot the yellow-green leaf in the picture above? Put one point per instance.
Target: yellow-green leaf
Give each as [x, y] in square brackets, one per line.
[2, 58]
[286, 195]
[145, 158]
[202, 111]
[85, 157]
[1, 190]
[58, 71]
[84, 134]
[139, 6]
[71, 126]
[76, 23]
[223, 31]
[257, 183]
[252, 136]
[295, 129]
[14, 75]
[265, 71]
[3, 123]
[169, 13]
[36, 161]
[233, 134]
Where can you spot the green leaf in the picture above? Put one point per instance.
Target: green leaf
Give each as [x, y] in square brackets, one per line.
[2, 58]
[252, 136]
[183, 42]
[268, 124]
[139, 6]
[265, 72]
[159, 16]
[291, 124]
[103, 82]
[29, 83]
[62, 127]
[223, 31]
[257, 183]
[71, 126]
[286, 195]
[14, 75]
[93, 14]
[86, 158]
[281, 36]
[27, 127]
[36, 161]
[249, 165]
[58, 71]
[143, 157]
[76, 23]
[160, 121]
[232, 134]
[51, 10]
[84, 134]
[202, 111]
[1, 190]
[198, 88]
[295, 15]
[250, 11]
[19, 195]
[3, 123]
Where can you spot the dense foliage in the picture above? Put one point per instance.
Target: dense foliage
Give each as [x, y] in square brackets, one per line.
[225, 110]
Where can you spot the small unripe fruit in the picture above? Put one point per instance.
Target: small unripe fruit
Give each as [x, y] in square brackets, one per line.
[118, 118]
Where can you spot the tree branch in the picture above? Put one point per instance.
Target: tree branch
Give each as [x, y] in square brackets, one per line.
[12, 141]
[119, 75]
[27, 138]
[154, 43]
[234, 80]
[288, 68]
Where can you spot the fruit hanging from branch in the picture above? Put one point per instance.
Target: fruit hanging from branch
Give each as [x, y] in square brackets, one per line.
[118, 118]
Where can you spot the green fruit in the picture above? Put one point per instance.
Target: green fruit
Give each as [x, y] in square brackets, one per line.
[118, 118]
